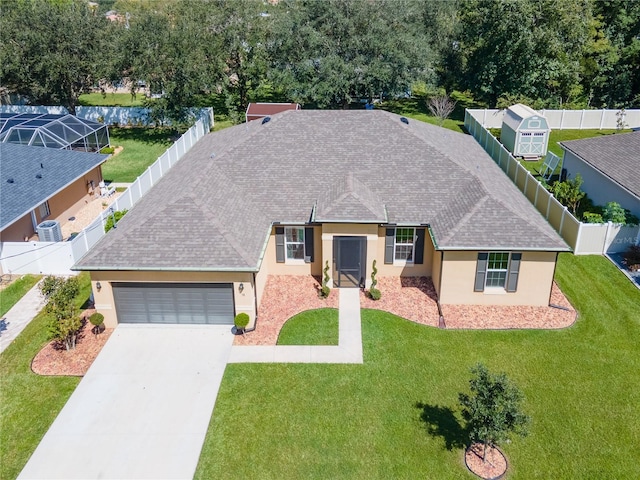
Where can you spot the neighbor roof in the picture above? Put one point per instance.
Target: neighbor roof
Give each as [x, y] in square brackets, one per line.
[256, 111]
[21, 163]
[616, 156]
[215, 208]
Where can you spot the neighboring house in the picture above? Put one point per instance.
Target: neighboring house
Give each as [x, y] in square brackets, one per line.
[258, 111]
[43, 183]
[525, 132]
[609, 166]
[308, 188]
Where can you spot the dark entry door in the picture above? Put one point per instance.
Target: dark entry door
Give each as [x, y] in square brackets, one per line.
[349, 258]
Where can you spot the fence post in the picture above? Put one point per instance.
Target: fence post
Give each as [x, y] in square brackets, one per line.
[548, 206]
[581, 119]
[526, 183]
[535, 198]
[602, 118]
[562, 120]
[564, 212]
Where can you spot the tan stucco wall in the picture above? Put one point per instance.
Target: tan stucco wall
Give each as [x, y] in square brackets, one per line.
[408, 270]
[435, 271]
[62, 206]
[301, 268]
[534, 280]
[244, 301]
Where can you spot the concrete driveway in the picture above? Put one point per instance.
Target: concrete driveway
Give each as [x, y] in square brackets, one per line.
[143, 408]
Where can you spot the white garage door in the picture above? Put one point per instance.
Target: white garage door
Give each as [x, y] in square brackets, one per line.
[183, 303]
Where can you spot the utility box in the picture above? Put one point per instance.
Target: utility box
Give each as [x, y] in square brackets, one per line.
[525, 133]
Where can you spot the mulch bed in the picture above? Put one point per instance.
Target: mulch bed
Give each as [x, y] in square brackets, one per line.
[54, 359]
[493, 468]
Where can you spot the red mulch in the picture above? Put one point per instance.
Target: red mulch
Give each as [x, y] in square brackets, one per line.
[413, 298]
[494, 466]
[285, 296]
[54, 359]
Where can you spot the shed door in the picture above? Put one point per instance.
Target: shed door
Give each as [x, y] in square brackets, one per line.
[181, 303]
[531, 143]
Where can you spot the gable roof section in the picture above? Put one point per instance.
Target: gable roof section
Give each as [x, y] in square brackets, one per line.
[616, 156]
[515, 114]
[22, 163]
[368, 163]
[349, 200]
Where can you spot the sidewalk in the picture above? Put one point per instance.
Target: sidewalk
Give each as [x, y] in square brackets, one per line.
[20, 315]
[349, 349]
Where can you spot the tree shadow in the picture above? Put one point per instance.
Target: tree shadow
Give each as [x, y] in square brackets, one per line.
[442, 422]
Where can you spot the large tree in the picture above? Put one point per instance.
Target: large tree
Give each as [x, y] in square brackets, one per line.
[331, 52]
[52, 51]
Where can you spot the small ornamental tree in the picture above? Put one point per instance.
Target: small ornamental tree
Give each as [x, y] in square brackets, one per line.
[493, 410]
[97, 320]
[325, 290]
[241, 321]
[441, 107]
[64, 322]
[614, 213]
[568, 192]
[374, 293]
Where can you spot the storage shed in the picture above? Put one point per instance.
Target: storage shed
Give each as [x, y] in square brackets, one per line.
[525, 132]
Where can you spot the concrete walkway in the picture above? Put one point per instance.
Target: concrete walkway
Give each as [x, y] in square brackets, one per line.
[20, 315]
[349, 349]
[142, 410]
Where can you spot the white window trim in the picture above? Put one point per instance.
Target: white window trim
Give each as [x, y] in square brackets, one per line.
[493, 289]
[402, 263]
[294, 261]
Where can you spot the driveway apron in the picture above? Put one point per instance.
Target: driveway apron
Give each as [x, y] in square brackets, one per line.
[143, 408]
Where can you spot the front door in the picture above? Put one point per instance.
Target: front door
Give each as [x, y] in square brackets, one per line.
[349, 258]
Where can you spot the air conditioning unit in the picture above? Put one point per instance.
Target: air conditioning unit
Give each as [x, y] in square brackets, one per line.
[50, 231]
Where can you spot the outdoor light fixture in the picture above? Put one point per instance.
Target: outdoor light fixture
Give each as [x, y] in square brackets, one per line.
[98, 286]
[241, 287]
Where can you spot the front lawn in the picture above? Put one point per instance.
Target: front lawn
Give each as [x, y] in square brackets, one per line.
[396, 416]
[14, 292]
[142, 147]
[28, 402]
[313, 327]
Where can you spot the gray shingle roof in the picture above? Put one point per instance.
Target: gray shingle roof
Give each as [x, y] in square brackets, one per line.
[215, 212]
[616, 156]
[22, 163]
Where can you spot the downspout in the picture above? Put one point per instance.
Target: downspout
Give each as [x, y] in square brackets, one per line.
[255, 302]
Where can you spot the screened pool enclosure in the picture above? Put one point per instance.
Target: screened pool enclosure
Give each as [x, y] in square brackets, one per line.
[53, 131]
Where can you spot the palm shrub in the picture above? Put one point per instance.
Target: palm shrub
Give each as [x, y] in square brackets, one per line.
[374, 293]
[325, 290]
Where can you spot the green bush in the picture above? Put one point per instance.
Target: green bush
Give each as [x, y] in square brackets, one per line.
[96, 319]
[109, 223]
[325, 290]
[614, 213]
[590, 217]
[374, 293]
[241, 321]
[107, 150]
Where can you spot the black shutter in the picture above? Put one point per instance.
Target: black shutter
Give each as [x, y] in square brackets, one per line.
[390, 238]
[481, 271]
[419, 246]
[308, 244]
[280, 244]
[514, 268]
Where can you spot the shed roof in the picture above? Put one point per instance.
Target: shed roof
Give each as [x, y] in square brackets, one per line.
[21, 163]
[615, 156]
[515, 114]
[259, 110]
[243, 179]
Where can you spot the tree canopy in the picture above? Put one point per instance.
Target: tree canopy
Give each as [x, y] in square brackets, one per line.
[547, 53]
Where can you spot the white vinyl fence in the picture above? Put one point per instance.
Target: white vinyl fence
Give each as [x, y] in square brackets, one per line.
[564, 119]
[583, 238]
[57, 258]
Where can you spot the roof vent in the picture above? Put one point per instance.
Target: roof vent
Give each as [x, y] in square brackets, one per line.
[10, 180]
[50, 231]
[38, 176]
[404, 120]
[266, 120]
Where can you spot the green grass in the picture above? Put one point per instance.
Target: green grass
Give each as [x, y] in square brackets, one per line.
[142, 147]
[111, 100]
[396, 416]
[28, 402]
[14, 292]
[313, 327]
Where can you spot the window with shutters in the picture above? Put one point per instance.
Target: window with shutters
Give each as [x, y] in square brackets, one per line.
[294, 243]
[497, 268]
[404, 244]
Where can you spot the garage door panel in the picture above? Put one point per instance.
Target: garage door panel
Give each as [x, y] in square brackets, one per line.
[174, 303]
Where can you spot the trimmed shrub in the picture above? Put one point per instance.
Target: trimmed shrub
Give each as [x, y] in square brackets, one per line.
[374, 294]
[241, 321]
[325, 290]
[96, 319]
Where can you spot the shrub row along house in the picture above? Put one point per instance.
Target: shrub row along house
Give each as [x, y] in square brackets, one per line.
[302, 189]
